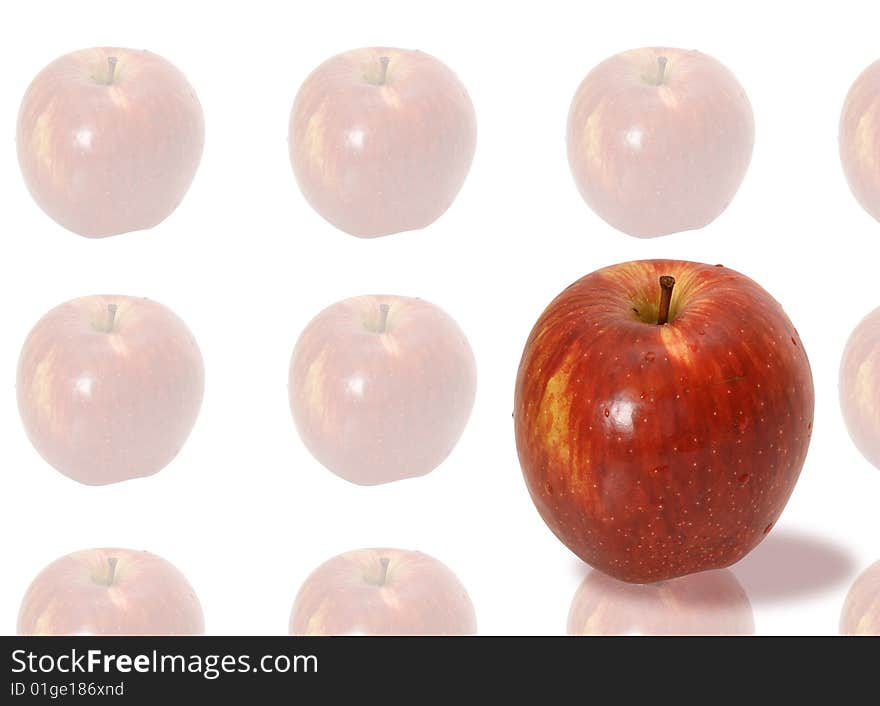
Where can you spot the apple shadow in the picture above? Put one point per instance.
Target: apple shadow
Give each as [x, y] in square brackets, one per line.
[791, 564]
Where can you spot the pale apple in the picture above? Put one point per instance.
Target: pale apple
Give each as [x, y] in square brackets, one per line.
[109, 140]
[859, 386]
[659, 140]
[859, 139]
[109, 387]
[861, 609]
[381, 387]
[382, 592]
[381, 140]
[110, 592]
[708, 603]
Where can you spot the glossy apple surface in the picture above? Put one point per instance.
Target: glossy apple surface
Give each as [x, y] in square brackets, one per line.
[109, 140]
[659, 140]
[381, 387]
[657, 450]
[861, 609]
[859, 139]
[381, 140]
[859, 386]
[110, 592]
[382, 592]
[109, 387]
[708, 603]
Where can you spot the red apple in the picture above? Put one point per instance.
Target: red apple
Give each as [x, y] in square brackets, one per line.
[710, 603]
[661, 425]
[109, 140]
[381, 140]
[109, 387]
[659, 140]
[861, 610]
[382, 592]
[381, 387]
[110, 592]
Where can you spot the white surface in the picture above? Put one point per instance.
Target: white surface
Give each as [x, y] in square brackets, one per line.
[244, 511]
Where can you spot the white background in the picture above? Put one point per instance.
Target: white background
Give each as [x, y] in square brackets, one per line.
[244, 511]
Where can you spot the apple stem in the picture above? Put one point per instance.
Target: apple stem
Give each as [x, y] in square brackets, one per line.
[111, 573]
[111, 72]
[383, 571]
[661, 69]
[383, 318]
[111, 317]
[666, 285]
[383, 70]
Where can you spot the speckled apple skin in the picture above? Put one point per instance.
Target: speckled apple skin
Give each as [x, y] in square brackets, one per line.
[105, 406]
[859, 139]
[859, 386]
[420, 596]
[380, 159]
[861, 609]
[108, 159]
[708, 603]
[378, 407]
[657, 159]
[657, 451]
[148, 596]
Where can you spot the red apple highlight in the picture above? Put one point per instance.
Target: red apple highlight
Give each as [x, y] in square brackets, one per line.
[382, 592]
[663, 411]
[381, 387]
[861, 609]
[109, 387]
[709, 603]
[381, 140]
[860, 386]
[859, 139]
[109, 140]
[110, 592]
[659, 140]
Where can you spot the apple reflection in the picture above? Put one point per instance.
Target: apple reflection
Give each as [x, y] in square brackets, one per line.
[708, 603]
[861, 609]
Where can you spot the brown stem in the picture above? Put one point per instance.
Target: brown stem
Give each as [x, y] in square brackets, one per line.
[666, 285]
[661, 69]
[111, 69]
[111, 573]
[111, 317]
[383, 70]
[383, 318]
[383, 571]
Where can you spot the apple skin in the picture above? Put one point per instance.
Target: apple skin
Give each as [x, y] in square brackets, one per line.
[74, 596]
[859, 386]
[347, 596]
[657, 159]
[380, 159]
[105, 159]
[654, 451]
[861, 609]
[708, 603]
[375, 407]
[103, 406]
[859, 139]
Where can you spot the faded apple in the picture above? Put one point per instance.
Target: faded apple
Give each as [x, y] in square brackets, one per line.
[109, 387]
[709, 603]
[663, 412]
[659, 140]
[382, 592]
[859, 139]
[381, 387]
[859, 386]
[110, 592]
[381, 140]
[861, 609]
[109, 140]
